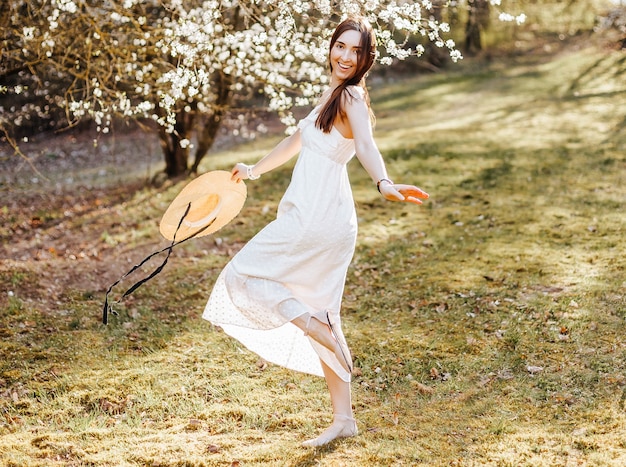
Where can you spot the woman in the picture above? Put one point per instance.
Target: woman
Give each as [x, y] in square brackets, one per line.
[281, 294]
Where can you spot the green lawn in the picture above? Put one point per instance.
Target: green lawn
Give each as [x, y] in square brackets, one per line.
[488, 326]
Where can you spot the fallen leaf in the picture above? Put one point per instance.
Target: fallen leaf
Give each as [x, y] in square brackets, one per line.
[533, 370]
[194, 424]
[567, 399]
[112, 408]
[471, 341]
[422, 388]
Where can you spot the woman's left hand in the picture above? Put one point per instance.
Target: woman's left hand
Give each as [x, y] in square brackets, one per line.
[400, 192]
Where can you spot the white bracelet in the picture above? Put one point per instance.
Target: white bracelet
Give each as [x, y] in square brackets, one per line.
[251, 176]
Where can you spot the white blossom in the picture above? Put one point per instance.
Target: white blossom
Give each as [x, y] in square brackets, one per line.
[65, 5]
[509, 18]
[159, 64]
[28, 32]
[455, 55]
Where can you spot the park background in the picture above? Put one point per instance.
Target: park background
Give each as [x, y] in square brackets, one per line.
[487, 326]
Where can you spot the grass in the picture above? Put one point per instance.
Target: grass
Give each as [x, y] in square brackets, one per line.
[487, 325]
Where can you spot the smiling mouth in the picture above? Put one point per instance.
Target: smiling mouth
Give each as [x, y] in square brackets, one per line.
[344, 67]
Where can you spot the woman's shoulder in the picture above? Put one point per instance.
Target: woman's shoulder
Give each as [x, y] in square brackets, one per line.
[353, 95]
[355, 91]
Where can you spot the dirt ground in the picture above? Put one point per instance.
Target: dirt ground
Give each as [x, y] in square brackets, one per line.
[56, 206]
[59, 203]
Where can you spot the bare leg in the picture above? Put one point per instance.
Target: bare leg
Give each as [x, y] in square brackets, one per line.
[316, 329]
[321, 332]
[344, 425]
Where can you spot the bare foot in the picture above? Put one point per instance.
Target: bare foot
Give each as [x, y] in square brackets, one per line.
[343, 426]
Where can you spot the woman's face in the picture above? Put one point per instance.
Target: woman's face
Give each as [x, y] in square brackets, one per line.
[344, 56]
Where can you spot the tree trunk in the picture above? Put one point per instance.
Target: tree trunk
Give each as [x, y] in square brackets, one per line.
[477, 21]
[207, 130]
[177, 155]
[208, 127]
[472, 30]
[436, 56]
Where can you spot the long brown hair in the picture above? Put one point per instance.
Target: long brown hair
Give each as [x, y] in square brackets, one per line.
[333, 108]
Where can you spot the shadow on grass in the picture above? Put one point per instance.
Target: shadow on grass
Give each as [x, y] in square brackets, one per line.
[314, 456]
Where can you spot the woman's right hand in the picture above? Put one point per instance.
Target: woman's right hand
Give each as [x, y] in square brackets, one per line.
[401, 192]
[239, 172]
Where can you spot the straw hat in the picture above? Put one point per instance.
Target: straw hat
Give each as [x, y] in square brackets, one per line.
[215, 199]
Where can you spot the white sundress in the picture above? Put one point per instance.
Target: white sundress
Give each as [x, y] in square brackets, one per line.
[298, 263]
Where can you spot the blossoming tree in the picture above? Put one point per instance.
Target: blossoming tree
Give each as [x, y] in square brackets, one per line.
[185, 63]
